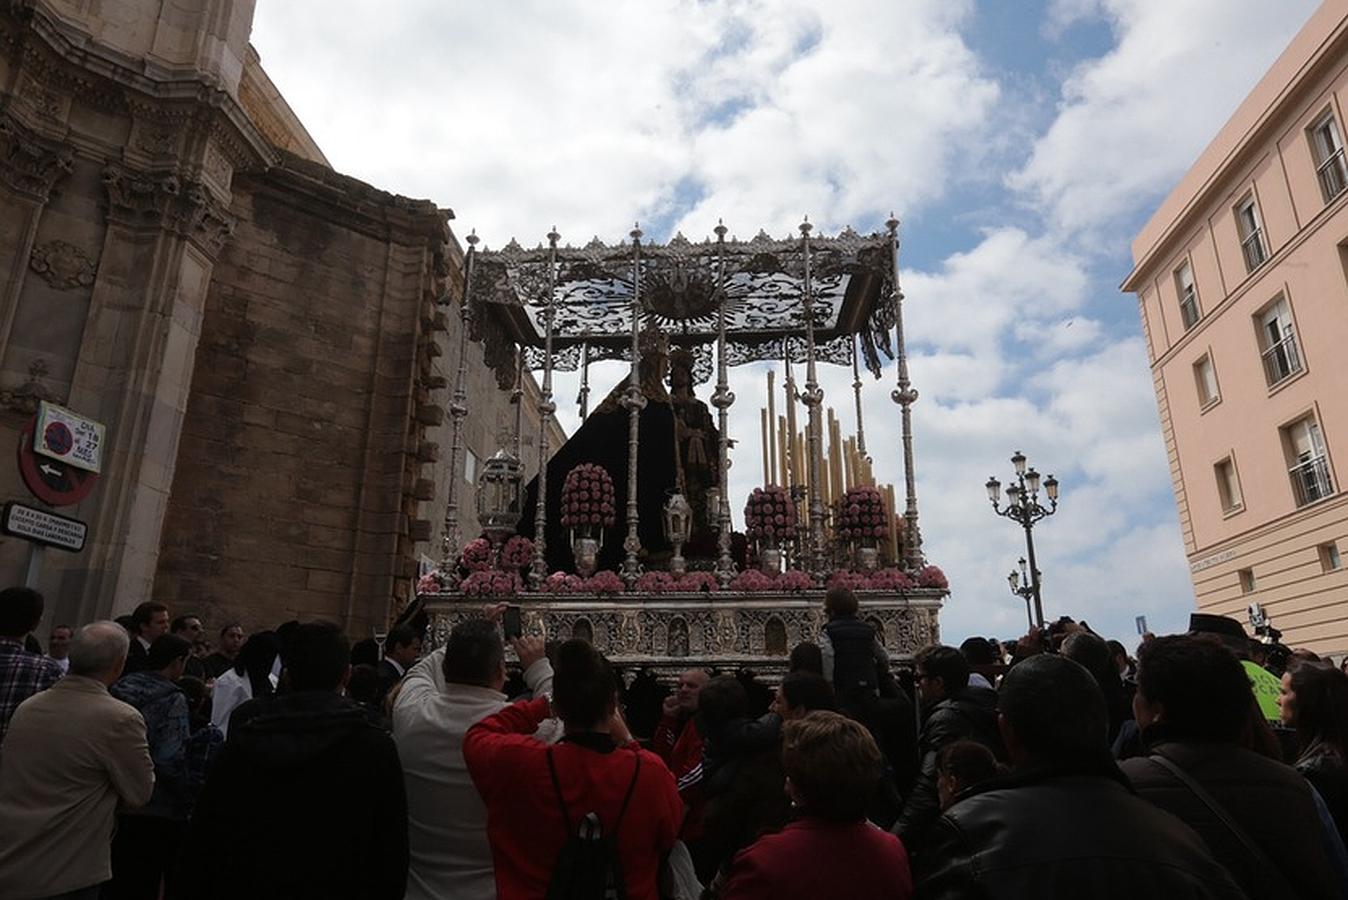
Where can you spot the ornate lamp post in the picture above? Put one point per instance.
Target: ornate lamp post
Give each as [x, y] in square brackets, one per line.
[500, 495]
[1021, 586]
[678, 521]
[1023, 507]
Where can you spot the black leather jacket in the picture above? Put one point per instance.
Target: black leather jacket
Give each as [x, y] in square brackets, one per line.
[969, 715]
[1325, 768]
[1067, 832]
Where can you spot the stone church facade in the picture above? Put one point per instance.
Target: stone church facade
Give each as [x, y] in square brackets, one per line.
[270, 343]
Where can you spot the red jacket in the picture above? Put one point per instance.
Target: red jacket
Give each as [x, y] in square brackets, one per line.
[820, 860]
[524, 818]
[682, 752]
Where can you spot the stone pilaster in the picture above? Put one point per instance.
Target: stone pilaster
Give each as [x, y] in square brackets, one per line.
[135, 371]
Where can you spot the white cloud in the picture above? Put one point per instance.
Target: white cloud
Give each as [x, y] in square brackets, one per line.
[1132, 121]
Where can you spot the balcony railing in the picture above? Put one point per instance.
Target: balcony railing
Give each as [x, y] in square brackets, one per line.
[1333, 174]
[1282, 360]
[1189, 309]
[1252, 245]
[1310, 480]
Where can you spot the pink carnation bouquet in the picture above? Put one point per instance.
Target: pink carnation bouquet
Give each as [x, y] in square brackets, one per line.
[563, 583]
[517, 553]
[476, 555]
[587, 497]
[861, 514]
[492, 584]
[770, 515]
[932, 577]
[604, 582]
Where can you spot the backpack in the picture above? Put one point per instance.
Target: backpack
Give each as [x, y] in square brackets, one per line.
[588, 867]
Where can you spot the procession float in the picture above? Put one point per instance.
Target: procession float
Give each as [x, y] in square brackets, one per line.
[625, 537]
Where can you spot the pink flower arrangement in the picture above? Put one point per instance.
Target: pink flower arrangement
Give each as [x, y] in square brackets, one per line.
[694, 582]
[754, 581]
[476, 555]
[656, 582]
[668, 583]
[770, 514]
[604, 582]
[861, 514]
[890, 580]
[430, 583]
[492, 584]
[563, 583]
[587, 497]
[932, 577]
[855, 581]
[517, 553]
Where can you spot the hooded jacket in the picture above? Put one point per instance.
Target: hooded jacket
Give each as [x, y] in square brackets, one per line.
[163, 705]
[306, 801]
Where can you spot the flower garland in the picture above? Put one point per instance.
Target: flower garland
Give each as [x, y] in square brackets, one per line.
[492, 584]
[587, 497]
[754, 581]
[861, 514]
[770, 514]
[668, 583]
[883, 580]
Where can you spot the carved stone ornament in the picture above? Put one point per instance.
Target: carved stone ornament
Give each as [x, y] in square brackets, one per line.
[26, 397]
[62, 265]
[144, 200]
[30, 165]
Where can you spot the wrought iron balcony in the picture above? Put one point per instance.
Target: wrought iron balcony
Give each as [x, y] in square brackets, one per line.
[1310, 480]
[1333, 174]
[1282, 360]
[1252, 245]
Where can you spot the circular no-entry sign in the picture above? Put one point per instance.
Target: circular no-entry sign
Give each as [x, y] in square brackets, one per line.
[52, 481]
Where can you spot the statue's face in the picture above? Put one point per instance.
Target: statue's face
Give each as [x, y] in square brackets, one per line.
[681, 377]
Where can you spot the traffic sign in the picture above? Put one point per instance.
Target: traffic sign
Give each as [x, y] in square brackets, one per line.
[68, 437]
[54, 483]
[43, 527]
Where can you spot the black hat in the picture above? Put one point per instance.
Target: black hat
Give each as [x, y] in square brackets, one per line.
[1229, 630]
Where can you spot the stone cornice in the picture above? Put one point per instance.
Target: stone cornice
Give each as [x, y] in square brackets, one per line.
[71, 61]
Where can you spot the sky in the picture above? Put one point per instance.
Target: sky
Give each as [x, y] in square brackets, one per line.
[1022, 144]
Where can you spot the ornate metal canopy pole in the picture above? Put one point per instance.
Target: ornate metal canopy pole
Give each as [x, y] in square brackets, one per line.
[538, 569]
[905, 395]
[722, 400]
[584, 397]
[635, 402]
[458, 408]
[517, 398]
[856, 390]
[813, 398]
[788, 450]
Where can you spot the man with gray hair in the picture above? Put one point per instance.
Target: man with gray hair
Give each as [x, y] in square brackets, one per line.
[71, 756]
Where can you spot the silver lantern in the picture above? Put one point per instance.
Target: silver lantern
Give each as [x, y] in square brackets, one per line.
[678, 522]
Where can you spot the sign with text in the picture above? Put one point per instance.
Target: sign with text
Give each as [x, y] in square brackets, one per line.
[42, 527]
[69, 437]
[1141, 624]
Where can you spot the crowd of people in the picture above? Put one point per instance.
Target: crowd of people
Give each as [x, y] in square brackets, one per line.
[139, 761]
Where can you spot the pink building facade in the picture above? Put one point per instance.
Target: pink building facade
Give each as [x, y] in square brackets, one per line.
[1242, 281]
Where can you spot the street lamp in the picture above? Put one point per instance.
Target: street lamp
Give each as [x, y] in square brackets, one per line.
[1024, 508]
[1023, 587]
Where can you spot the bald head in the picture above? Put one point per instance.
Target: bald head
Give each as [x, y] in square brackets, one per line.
[98, 651]
[691, 683]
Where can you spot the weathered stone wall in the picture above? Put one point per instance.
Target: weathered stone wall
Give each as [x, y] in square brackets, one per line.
[299, 475]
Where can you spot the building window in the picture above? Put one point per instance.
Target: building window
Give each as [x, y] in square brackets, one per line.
[1308, 467]
[1228, 486]
[1327, 148]
[1188, 295]
[1278, 342]
[1251, 233]
[1246, 581]
[1205, 379]
[470, 462]
[1329, 557]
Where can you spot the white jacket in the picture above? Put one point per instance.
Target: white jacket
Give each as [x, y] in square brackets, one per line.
[446, 820]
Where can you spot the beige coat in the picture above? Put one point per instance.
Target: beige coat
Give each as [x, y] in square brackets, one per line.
[72, 755]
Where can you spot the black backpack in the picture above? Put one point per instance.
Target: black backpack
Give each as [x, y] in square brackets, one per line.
[588, 868]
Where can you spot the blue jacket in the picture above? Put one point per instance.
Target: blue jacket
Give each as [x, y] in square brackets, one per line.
[164, 707]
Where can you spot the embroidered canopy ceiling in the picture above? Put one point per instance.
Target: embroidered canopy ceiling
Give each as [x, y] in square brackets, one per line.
[682, 285]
